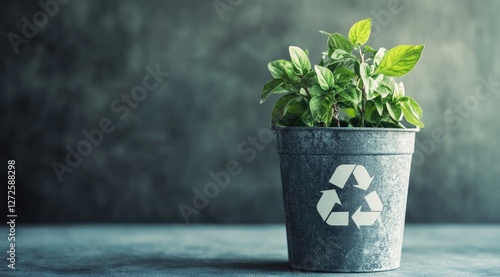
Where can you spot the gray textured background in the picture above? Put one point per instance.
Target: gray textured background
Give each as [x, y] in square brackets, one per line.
[66, 77]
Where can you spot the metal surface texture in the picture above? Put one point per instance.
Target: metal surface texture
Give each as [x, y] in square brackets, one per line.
[345, 192]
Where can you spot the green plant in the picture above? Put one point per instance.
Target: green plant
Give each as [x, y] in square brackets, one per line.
[353, 85]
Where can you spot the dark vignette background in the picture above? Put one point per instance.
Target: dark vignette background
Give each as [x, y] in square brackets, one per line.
[91, 52]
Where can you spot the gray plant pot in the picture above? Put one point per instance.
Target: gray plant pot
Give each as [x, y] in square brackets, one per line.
[344, 193]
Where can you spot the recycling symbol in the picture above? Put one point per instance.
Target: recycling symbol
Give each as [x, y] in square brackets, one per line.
[330, 198]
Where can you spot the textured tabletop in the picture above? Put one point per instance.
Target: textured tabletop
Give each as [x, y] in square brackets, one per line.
[229, 250]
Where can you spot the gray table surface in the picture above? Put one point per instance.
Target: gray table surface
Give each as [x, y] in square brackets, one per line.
[229, 250]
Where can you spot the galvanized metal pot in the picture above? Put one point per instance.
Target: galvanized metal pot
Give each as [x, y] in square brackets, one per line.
[345, 193]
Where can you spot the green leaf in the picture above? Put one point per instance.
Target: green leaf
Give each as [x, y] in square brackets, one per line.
[282, 69]
[325, 77]
[378, 58]
[309, 79]
[307, 118]
[350, 112]
[338, 41]
[371, 114]
[319, 105]
[412, 111]
[277, 68]
[349, 95]
[342, 55]
[280, 107]
[400, 60]
[394, 111]
[300, 61]
[360, 32]
[296, 107]
[382, 85]
[272, 86]
[294, 111]
[316, 90]
[399, 91]
[368, 48]
[327, 117]
[411, 117]
[344, 71]
[413, 104]
[343, 76]
[378, 105]
[383, 89]
[364, 72]
[338, 54]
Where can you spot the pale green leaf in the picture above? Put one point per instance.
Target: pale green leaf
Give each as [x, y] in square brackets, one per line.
[364, 72]
[383, 85]
[400, 60]
[394, 111]
[360, 32]
[413, 105]
[378, 58]
[412, 111]
[411, 117]
[399, 91]
[325, 77]
[300, 61]
[341, 54]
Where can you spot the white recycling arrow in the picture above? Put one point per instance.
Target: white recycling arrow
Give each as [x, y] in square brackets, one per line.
[368, 218]
[362, 177]
[364, 218]
[374, 201]
[341, 175]
[325, 205]
[338, 219]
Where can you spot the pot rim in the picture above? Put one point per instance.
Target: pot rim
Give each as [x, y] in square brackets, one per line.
[301, 128]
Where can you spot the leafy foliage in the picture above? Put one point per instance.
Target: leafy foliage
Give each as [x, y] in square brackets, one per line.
[353, 84]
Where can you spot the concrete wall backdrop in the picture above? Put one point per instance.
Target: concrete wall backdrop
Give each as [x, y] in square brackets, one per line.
[85, 55]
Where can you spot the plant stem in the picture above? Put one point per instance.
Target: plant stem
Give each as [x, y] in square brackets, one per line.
[335, 108]
[361, 55]
[363, 105]
[363, 92]
[307, 93]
